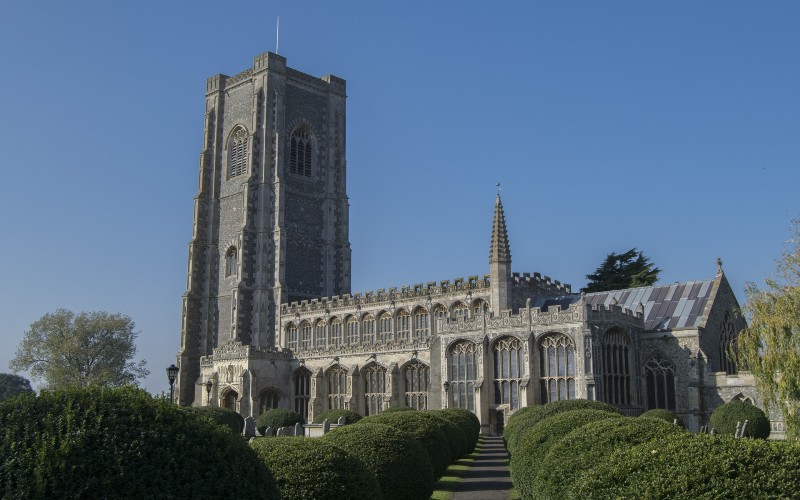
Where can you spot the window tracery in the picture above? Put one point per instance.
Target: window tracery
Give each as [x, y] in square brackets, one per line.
[403, 326]
[237, 153]
[305, 336]
[660, 380]
[368, 336]
[336, 333]
[268, 399]
[385, 327]
[509, 370]
[300, 152]
[337, 388]
[302, 391]
[463, 373]
[374, 388]
[352, 331]
[460, 311]
[418, 378]
[616, 368]
[421, 327]
[727, 342]
[556, 368]
[291, 337]
[321, 334]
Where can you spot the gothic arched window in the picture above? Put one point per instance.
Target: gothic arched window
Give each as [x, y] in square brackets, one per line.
[374, 388]
[268, 399]
[337, 388]
[557, 368]
[336, 333]
[418, 378]
[302, 391]
[659, 374]
[385, 327]
[616, 368]
[460, 311]
[237, 153]
[300, 152]
[509, 369]
[477, 308]
[463, 372]
[403, 325]
[305, 336]
[368, 329]
[321, 334]
[230, 262]
[727, 342]
[421, 328]
[352, 331]
[291, 336]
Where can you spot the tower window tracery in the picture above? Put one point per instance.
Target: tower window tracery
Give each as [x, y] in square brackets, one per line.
[557, 368]
[237, 153]
[300, 152]
[463, 370]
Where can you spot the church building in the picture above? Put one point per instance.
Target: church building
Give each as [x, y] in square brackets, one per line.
[269, 319]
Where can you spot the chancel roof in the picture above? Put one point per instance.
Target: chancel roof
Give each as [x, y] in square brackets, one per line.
[666, 307]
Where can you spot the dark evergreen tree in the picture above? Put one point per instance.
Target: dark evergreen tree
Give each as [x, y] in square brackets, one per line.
[13, 385]
[625, 270]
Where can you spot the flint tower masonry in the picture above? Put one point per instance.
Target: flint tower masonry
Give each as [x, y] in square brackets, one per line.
[271, 211]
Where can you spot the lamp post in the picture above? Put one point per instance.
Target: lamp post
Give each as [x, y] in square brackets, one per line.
[209, 386]
[446, 386]
[172, 375]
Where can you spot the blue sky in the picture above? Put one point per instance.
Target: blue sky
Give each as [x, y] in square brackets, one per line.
[672, 127]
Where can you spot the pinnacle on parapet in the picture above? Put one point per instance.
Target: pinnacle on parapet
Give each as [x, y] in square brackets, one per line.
[499, 250]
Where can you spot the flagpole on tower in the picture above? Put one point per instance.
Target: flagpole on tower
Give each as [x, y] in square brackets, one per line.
[277, 33]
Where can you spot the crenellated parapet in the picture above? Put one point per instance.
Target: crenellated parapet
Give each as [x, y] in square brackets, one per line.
[615, 314]
[237, 350]
[410, 293]
[544, 283]
[387, 347]
[527, 318]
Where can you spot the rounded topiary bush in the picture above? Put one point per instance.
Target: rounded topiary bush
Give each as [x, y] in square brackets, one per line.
[524, 422]
[662, 414]
[537, 441]
[313, 468]
[332, 416]
[456, 439]
[426, 431]
[590, 445]
[697, 466]
[223, 416]
[277, 418]
[394, 409]
[121, 443]
[725, 417]
[397, 460]
[464, 420]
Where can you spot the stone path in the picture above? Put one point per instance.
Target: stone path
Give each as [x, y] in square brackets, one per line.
[488, 479]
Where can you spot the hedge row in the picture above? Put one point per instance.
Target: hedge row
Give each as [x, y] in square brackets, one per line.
[277, 418]
[333, 416]
[121, 443]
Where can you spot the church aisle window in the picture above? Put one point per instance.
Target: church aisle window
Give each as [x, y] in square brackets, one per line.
[463, 370]
[237, 153]
[659, 374]
[418, 378]
[509, 369]
[369, 329]
[421, 328]
[616, 368]
[291, 337]
[337, 388]
[557, 368]
[302, 392]
[268, 399]
[403, 326]
[300, 152]
[321, 335]
[374, 388]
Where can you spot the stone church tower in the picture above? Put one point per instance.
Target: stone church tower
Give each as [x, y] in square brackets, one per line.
[271, 211]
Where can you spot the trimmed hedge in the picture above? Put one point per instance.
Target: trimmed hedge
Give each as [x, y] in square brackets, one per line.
[223, 416]
[456, 438]
[350, 416]
[518, 426]
[394, 409]
[697, 466]
[121, 443]
[277, 418]
[662, 414]
[423, 429]
[537, 441]
[462, 419]
[312, 468]
[725, 417]
[590, 445]
[397, 460]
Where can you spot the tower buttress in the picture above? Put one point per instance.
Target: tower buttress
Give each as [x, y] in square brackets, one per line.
[500, 261]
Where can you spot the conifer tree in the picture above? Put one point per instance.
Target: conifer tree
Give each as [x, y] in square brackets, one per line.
[618, 271]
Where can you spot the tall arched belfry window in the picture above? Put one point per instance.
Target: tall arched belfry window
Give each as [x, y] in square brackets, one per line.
[616, 368]
[237, 153]
[659, 374]
[230, 262]
[509, 369]
[300, 152]
[463, 370]
[727, 342]
[557, 368]
[302, 391]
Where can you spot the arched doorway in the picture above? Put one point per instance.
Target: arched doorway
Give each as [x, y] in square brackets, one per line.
[229, 401]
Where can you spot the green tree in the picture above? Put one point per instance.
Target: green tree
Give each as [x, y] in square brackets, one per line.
[625, 270]
[13, 385]
[89, 348]
[770, 346]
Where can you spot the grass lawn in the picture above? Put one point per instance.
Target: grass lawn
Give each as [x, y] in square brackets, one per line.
[443, 488]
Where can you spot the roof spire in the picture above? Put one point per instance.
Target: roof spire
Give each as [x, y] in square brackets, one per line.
[499, 250]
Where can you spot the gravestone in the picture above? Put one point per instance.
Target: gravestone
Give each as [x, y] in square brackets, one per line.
[342, 421]
[298, 429]
[268, 432]
[326, 426]
[249, 427]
